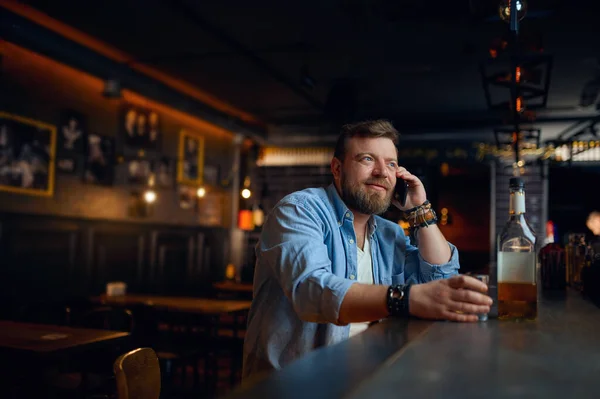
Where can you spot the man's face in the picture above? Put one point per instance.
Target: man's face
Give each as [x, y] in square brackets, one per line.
[367, 176]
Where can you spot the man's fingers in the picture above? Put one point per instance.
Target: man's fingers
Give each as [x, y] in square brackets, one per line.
[461, 317]
[464, 295]
[468, 308]
[468, 282]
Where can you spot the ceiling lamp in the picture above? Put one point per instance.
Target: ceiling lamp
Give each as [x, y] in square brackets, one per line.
[246, 193]
[504, 9]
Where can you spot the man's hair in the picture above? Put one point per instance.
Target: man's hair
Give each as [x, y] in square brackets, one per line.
[366, 129]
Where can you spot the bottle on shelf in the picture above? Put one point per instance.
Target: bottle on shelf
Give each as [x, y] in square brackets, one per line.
[517, 261]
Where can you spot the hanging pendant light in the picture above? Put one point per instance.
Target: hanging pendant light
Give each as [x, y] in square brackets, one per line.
[504, 9]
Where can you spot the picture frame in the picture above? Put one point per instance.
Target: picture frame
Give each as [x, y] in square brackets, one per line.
[72, 132]
[99, 160]
[190, 162]
[27, 155]
[140, 127]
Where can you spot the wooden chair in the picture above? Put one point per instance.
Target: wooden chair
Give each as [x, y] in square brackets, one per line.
[137, 374]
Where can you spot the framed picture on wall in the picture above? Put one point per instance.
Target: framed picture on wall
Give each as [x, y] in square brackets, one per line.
[99, 159]
[71, 132]
[190, 163]
[140, 127]
[27, 151]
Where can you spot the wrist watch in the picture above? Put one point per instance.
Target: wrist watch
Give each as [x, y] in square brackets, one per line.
[398, 300]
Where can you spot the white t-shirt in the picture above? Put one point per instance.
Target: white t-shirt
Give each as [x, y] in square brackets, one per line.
[364, 275]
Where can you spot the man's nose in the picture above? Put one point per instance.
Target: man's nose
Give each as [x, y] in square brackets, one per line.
[380, 169]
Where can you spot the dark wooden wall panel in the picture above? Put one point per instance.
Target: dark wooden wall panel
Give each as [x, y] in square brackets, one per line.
[40, 258]
[117, 255]
[50, 258]
[173, 260]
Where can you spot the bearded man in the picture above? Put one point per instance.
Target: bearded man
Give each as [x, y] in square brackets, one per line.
[327, 265]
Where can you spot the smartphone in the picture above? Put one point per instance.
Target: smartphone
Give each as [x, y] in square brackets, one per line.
[401, 191]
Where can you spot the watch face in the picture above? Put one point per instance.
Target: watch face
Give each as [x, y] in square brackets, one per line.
[399, 292]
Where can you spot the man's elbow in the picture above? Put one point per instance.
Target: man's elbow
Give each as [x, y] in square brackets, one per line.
[314, 305]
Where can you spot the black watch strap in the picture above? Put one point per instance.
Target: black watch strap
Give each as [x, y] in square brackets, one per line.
[398, 300]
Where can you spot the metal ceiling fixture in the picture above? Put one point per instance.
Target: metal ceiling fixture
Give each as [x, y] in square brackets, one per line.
[523, 71]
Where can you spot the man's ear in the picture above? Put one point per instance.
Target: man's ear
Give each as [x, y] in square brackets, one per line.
[336, 168]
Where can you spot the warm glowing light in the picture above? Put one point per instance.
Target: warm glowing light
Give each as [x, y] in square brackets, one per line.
[519, 104]
[246, 193]
[150, 196]
[201, 192]
[404, 224]
[445, 169]
[518, 74]
[245, 221]
[230, 272]
[444, 218]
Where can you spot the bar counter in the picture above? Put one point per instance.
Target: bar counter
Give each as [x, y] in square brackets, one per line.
[555, 356]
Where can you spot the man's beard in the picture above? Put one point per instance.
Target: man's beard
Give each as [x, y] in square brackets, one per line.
[358, 199]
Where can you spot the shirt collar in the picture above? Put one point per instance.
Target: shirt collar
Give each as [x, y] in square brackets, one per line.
[342, 212]
[339, 207]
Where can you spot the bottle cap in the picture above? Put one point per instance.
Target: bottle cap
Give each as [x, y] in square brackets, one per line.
[516, 182]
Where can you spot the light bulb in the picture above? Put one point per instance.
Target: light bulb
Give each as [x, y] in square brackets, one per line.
[246, 193]
[504, 9]
[201, 192]
[150, 196]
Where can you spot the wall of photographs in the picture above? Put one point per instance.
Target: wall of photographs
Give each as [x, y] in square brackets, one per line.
[66, 150]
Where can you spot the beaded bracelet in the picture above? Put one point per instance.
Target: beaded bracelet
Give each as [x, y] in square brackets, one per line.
[421, 216]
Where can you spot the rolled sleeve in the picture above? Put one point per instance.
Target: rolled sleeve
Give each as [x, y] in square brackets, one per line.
[293, 246]
[418, 270]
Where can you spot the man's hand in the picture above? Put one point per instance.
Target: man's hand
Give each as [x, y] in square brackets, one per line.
[416, 191]
[442, 299]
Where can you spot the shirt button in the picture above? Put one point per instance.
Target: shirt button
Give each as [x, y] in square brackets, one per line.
[339, 223]
[351, 241]
[352, 277]
[347, 214]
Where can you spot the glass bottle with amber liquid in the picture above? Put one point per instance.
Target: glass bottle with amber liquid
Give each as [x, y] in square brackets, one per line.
[517, 260]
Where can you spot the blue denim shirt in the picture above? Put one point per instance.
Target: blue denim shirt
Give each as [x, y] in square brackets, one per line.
[306, 262]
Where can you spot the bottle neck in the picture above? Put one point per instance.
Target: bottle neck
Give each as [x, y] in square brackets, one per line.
[517, 202]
